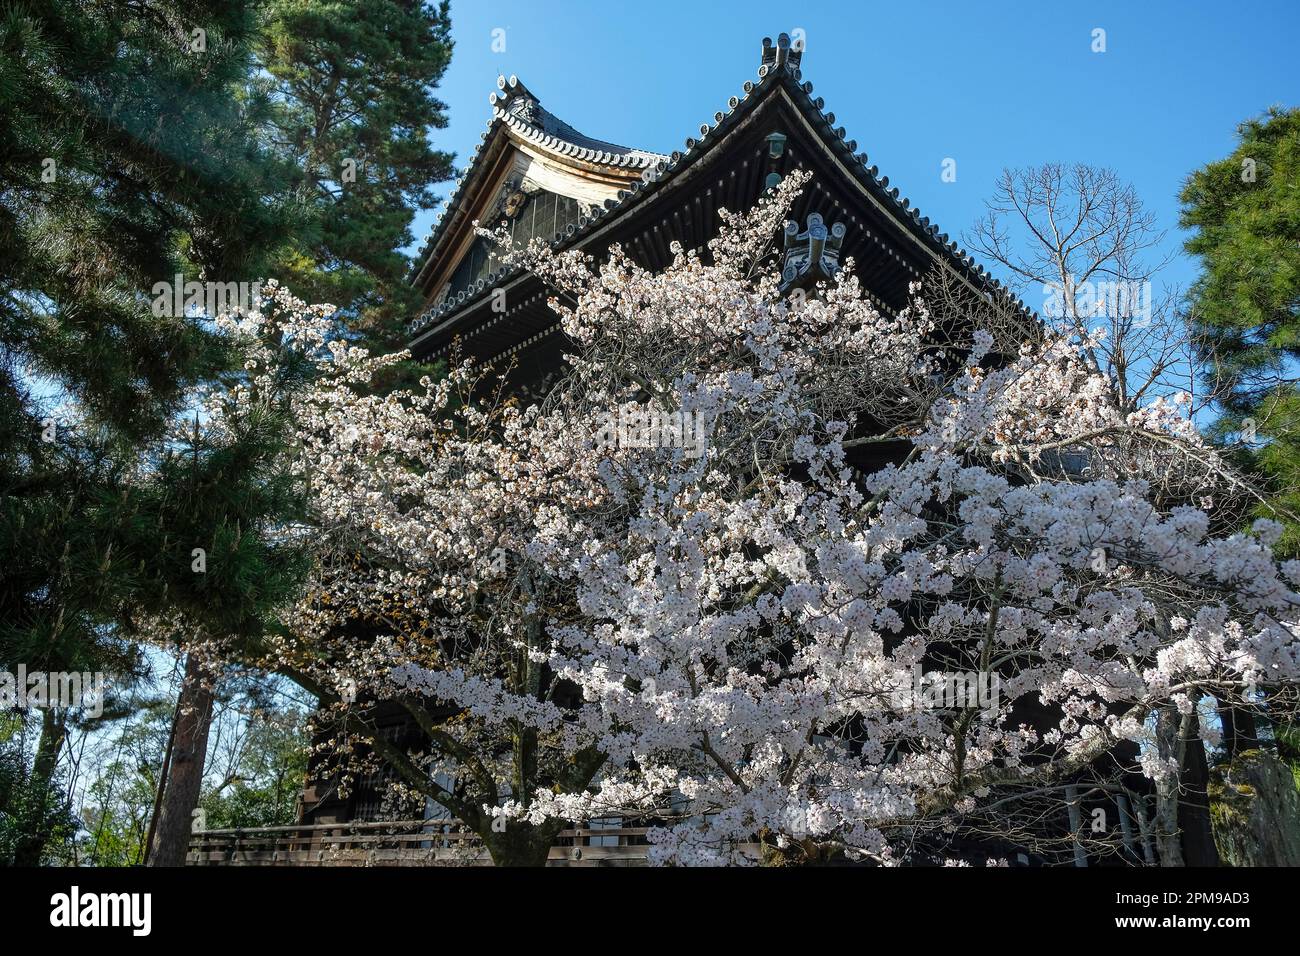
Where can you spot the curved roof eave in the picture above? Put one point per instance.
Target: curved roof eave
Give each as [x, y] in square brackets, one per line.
[779, 70]
[518, 114]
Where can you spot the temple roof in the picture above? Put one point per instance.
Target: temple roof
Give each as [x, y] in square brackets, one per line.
[516, 109]
[518, 116]
[515, 106]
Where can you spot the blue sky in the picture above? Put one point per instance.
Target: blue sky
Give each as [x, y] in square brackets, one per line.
[989, 84]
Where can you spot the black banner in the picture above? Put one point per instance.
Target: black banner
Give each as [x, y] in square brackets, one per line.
[220, 906]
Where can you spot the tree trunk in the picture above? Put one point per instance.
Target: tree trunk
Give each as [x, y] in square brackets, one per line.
[1194, 803]
[1169, 746]
[160, 784]
[36, 810]
[522, 844]
[1239, 731]
[184, 781]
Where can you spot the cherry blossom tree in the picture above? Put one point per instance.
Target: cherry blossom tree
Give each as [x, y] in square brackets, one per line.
[669, 591]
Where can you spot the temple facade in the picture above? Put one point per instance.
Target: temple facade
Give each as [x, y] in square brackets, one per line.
[539, 177]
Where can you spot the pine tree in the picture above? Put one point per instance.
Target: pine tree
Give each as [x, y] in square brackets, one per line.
[127, 157]
[352, 84]
[1246, 213]
[139, 144]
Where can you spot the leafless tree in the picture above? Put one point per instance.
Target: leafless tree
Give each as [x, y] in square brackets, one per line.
[1079, 242]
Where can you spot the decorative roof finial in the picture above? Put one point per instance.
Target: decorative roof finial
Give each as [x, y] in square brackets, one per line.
[784, 54]
[811, 255]
[515, 98]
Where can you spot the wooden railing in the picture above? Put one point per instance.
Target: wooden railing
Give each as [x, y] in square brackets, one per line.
[401, 843]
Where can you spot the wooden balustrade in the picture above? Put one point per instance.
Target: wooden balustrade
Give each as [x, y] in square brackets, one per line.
[401, 843]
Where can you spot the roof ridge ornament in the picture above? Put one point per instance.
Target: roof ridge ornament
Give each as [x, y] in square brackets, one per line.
[785, 54]
[775, 150]
[515, 99]
[812, 255]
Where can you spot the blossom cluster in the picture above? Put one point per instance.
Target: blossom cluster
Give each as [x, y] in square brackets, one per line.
[737, 633]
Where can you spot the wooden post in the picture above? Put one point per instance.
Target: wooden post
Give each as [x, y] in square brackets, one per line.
[1076, 824]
